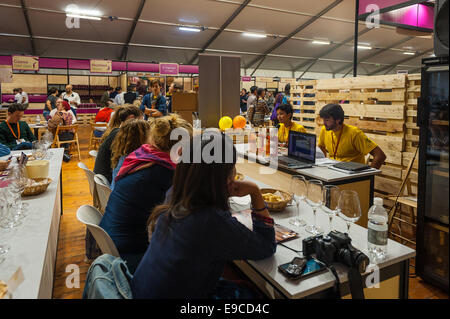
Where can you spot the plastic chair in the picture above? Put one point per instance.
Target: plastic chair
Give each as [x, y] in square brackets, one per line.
[103, 189]
[90, 177]
[93, 140]
[91, 217]
[93, 153]
[68, 128]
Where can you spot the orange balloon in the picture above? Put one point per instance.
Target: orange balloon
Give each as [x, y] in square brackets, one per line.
[239, 122]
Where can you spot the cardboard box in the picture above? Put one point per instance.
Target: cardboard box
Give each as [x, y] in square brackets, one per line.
[184, 102]
[187, 115]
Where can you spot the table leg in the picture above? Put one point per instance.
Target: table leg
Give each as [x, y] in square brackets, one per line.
[61, 190]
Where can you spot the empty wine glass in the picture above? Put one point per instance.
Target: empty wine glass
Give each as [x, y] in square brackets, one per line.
[8, 217]
[349, 207]
[330, 200]
[298, 185]
[38, 150]
[314, 199]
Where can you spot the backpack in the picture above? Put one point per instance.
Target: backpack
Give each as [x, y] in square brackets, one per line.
[108, 278]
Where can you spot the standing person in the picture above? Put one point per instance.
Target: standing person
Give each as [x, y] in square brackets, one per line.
[243, 100]
[344, 142]
[257, 113]
[251, 99]
[119, 99]
[105, 97]
[17, 96]
[113, 94]
[131, 95]
[194, 233]
[14, 133]
[287, 94]
[72, 97]
[284, 114]
[141, 184]
[270, 101]
[24, 96]
[50, 104]
[154, 104]
[278, 102]
[103, 159]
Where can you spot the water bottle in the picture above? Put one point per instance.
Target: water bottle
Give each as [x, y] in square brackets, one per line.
[38, 119]
[377, 235]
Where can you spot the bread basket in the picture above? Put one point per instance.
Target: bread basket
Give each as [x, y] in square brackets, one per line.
[278, 206]
[37, 189]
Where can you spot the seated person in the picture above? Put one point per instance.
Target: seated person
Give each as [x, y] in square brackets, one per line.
[154, 103]
[132, 135]
[63, 116]
[103, 159]
[14, 133]
[194, 233]
[141, 184]
[4, 150]
[344, 142]
[284, 116]
[60, 104]
[103, 116]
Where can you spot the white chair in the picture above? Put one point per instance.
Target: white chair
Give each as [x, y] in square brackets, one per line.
[93, 153]
[103, 189]
[91, 217]
[90, 177]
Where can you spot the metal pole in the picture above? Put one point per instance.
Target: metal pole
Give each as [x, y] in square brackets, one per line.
[355, 50]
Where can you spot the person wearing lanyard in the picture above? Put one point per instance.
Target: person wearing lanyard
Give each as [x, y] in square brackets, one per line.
[154, 103]
[284, 116]
[344, 142]
[14, 133]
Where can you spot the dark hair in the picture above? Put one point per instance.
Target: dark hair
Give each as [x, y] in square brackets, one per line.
[332, 110]
[127, 111]
[119, 88]
[286, 108]
[15, 90]
[279, 98]
[253, 89]
[260, 91]
[109, 88]
[52, 90]
[14, 107]
[199, 184]
[155, 81]
[287, 89]
[244, 90]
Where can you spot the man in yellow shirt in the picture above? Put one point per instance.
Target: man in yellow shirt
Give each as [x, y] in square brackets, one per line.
[284, 116]
[344, 142]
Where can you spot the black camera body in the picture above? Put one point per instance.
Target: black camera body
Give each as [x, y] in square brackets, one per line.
[335, 247]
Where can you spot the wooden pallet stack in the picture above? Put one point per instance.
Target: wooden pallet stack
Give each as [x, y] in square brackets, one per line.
[304, 100]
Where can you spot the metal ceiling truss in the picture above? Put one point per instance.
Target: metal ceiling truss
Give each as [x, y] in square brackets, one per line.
[27, 21]
[124, 54]
[388, 68]
[290, 35]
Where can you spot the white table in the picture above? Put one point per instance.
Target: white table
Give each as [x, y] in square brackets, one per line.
[264, 273]
[34, 242]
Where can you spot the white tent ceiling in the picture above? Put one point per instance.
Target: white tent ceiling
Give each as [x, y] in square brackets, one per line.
[157, 38]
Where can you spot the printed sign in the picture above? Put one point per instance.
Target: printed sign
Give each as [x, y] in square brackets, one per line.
[246, 78]
[25, 63]
[6, 74]
[168, 69]
[101, 66]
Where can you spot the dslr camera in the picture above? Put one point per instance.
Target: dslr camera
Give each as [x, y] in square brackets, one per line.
[335, 247]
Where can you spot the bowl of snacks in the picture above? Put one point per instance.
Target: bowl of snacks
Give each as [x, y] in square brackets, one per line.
[239, 177]
[36, 186]
[275, 199]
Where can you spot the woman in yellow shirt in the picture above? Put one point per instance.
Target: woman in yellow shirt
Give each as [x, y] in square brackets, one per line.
[284, 116]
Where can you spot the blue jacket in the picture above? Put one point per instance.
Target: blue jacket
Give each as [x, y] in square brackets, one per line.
[108, 278]
[4, 150]
[187, 259]
[116, 171]
[129, 206]
[161, 104]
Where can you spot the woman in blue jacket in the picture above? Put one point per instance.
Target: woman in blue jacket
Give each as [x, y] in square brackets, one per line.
[141, 184]
[194, 234]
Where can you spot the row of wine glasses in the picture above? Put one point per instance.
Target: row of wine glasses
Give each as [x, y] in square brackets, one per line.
[329, 198]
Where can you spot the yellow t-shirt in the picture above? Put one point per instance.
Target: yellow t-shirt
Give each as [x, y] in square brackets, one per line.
[354, 145]
[283, 132]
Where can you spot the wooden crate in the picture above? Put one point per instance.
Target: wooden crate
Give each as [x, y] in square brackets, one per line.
[303, 99]
[30, 83]
[85, 118]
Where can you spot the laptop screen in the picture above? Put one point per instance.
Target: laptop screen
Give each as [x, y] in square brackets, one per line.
[302, 146]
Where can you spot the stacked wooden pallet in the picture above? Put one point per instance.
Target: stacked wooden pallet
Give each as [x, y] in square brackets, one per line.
[304, 100]
[85, 118]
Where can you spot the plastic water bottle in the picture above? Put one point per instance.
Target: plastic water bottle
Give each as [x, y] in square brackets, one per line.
[38, 119]
[377, 235]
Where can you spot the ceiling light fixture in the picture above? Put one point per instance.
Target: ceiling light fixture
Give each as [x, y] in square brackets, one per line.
[254, 35]
[74, 12]
[189, 29]
[320, 42]
[73, 15]
[363, 47]
[409, 53]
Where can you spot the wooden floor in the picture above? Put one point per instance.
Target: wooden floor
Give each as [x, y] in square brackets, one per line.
[71, 235]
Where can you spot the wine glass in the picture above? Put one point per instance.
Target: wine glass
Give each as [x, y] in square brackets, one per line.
[330, 200]
[298, 185]
[314, 199]
[3, 247]
[8, 218]
[349, 207]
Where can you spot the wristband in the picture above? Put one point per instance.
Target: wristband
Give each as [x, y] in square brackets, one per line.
[259, 210]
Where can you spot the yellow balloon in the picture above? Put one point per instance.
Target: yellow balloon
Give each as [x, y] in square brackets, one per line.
[225, 122]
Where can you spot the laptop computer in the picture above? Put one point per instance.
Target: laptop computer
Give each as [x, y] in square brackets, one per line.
[301, 151]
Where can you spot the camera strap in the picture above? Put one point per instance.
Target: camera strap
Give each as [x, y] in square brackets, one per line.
[336, 289]
[356, 285]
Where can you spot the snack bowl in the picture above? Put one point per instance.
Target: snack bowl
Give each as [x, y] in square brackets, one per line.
[36, 186]
[276, 205]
